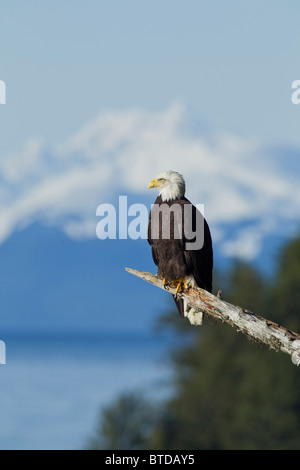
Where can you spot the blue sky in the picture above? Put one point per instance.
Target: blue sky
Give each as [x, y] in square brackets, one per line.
[231, 62]
[101, 95]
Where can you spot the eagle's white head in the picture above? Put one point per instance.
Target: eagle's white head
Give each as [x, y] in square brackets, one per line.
[170, 185]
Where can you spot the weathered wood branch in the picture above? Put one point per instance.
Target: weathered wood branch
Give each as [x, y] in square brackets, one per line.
[253, 326]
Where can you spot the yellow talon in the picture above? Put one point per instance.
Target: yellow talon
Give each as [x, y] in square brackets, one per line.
[181, 283]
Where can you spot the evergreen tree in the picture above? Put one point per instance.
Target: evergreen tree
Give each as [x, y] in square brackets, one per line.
[286, 289]
[124, 425]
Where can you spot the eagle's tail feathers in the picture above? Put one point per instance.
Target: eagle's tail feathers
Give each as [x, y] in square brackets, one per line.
[193, 314]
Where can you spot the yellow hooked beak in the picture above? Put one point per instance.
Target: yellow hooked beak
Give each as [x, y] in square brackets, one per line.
[153, 184]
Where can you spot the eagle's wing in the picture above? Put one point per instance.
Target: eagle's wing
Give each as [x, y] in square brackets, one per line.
[197, 245]
[193, 248]
[153, 245]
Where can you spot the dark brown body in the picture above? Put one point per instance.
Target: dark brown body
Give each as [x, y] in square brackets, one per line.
[171, 255]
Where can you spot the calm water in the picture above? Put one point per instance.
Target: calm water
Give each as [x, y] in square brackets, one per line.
[52, 389]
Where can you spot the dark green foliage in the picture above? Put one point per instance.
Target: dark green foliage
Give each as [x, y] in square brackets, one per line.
[286, 289]
[230, 393]
[125, 425]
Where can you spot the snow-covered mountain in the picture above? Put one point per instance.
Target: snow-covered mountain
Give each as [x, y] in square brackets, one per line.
[250, 190]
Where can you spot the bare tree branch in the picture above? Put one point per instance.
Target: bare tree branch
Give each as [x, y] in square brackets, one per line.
[253, 326]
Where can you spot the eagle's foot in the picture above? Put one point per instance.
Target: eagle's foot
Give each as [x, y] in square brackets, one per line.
[166, 283]
[181, 284]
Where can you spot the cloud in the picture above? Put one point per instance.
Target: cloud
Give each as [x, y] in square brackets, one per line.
[120, 151]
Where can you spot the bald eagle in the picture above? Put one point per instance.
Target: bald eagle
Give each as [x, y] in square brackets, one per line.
[180, 238]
